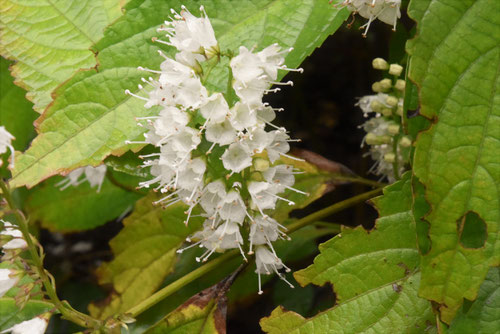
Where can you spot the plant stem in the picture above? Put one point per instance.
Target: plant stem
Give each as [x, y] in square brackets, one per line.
[204, 269]
[181, 282]
[318, 215]
[66, 310]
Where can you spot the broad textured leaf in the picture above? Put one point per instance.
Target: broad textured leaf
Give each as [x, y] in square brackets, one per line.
[145, 252]
[78, 208]
[204, 313]
[10, 314]
[50, 40]
[483, 316]
[455, 62]
[374, 274]
[16, 113]
[92, 117]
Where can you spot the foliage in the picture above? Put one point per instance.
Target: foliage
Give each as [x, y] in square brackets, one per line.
[457, 159]
[429, 264]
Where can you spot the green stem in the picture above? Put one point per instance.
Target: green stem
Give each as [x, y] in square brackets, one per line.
[181, 282]
[318, 215]
[66, 310]
[395, 164]
[204, 269]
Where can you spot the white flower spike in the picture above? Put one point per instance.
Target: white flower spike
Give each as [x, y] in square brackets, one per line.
[211, 148]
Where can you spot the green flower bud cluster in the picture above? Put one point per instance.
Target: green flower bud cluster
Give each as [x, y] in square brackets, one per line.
[388, 145]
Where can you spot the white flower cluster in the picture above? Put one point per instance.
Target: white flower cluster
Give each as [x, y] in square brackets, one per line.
[14, 234]
[387, 11]
[93, 175]
[6, 143]
[37, 325]
[389, 147]
[213, 155]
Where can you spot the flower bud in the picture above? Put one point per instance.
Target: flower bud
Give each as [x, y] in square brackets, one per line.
[400, 85]
[261, 165]
[393, 129]
[399, 111]
[376, 106]
[395, 69]
[386, 84]
[392, 101]
[37, 325]
[373, 139]
[405, 141]
[380, 64]
[387, 112]
[390, 157]
[377, 88]
[256, 176]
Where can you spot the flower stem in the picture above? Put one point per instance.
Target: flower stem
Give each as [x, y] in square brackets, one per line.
[209, 266]
[66, 310]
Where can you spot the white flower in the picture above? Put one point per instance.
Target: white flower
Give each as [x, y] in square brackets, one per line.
[279, 145]
[37, 325]
[267, 262]
[93, 175]
[191, 34]
[237, 157]
[221, 133]
[242, 116]
[214, 193]
[191, 177]
[6, 143]
[388, 11]
[8, 280]
[17, 242]
[232, 207]
[215, 108]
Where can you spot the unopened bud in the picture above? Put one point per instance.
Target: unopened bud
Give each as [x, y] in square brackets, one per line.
[377, 88]
[405, 141]
[395, 69]
[261, 165]
[393, 129]
[399, 111]
[376, 106]
[386, 84]
[373, 139]
[387, 112]
[390, 157]
[392, 101]
[400, 85]
[380, 64]
[256, 176]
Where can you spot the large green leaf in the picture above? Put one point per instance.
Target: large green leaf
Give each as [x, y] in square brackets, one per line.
[374, 274]
[16, 113]
[145, 252]
[50, 40]
[204, 313]
[455, 62]
[10, 314]
[79, 208]
[92, 117]
[482, 315]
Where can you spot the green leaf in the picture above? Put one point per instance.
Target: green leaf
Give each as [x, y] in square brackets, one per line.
[204, 313]
[92, 117]
[483, 315]
[145, 253]
[455, 61]
[79, 208]
[374, 274]
[17, 115]
[50, 40]
[10, 314]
